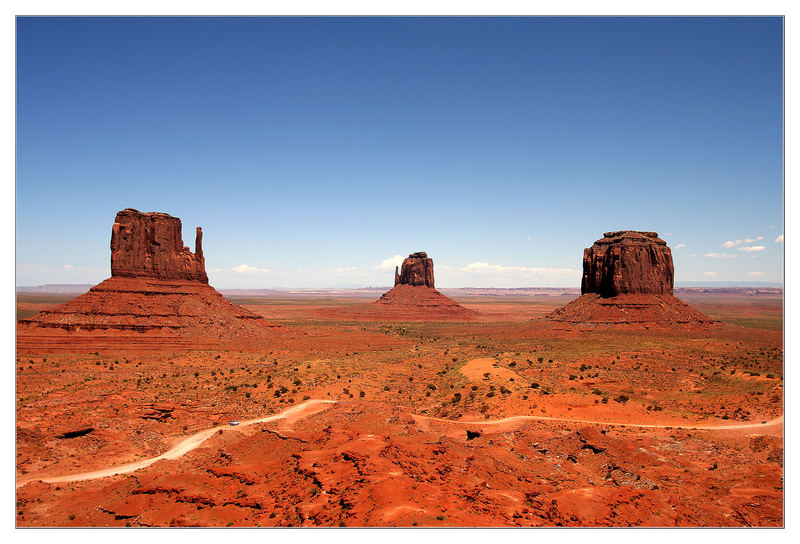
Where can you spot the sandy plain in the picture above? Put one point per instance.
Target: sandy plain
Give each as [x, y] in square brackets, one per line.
[499, 420]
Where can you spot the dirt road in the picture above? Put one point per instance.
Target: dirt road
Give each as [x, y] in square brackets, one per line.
[315, 405]
[515, 419]
[184, 446]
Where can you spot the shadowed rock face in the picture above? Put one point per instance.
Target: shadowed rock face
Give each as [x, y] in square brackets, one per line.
[151, 245]
[628, 262]
[417, 269]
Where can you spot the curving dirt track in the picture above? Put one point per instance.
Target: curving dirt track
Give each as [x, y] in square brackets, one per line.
[313, 406]
[184, 446]
[514, 419]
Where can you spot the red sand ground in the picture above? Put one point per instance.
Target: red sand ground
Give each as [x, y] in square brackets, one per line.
[377, 458]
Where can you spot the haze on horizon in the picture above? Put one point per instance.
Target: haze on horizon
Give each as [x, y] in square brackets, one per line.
[319, 152]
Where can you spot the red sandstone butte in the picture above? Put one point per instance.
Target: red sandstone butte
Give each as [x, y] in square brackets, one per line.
[627, 281]
[414, 295]
[628, 262]
[157, 297]
[151, 245]
[417, 270]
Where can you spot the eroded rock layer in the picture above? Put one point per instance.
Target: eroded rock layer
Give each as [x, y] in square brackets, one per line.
[141, 313]
[637, 311]
[421, 300]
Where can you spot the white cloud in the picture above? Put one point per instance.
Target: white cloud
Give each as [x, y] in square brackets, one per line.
[346, 269]
[755, 273]
[246, 268]
[751, 249]
[719, 255]
[67, 266]
[390, 263]
[680, 246]
[732, 243]
[355, 273]
[483, 268]
[779, 239]
[485, 274]
[709, 273]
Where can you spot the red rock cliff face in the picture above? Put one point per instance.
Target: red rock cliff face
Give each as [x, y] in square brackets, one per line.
[417, 269]
[151, 245]
[628, 262]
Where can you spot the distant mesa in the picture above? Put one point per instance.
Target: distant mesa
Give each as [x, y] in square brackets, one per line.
[414, 293]
[628, 279]
[157, 297]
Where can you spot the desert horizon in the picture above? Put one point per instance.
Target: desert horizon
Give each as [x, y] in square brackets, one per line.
[487, 364]
[399, 272]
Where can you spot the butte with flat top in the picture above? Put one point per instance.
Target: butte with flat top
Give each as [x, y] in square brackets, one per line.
[157, 297]
[628, 278]
[414, 291]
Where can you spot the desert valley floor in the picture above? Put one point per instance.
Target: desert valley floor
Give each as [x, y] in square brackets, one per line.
[499, 419]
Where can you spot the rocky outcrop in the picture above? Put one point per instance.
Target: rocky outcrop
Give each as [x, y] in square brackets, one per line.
[150, 245]
[627, 281]
[417, 270]
[414, 296]
[158, 297]
[628, 262]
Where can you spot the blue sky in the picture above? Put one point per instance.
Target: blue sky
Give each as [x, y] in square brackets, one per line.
[314, 152]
